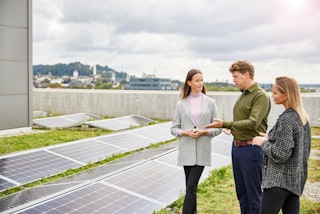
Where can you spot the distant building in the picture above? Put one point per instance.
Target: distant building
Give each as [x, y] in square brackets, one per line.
[94, 68]
[148, 83]
[75, 73]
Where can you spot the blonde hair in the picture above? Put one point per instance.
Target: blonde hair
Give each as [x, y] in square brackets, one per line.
[290, 87]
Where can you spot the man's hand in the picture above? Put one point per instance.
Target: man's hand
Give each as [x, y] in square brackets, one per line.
[216, 124]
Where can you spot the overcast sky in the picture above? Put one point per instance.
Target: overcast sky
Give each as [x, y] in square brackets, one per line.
[169, 37]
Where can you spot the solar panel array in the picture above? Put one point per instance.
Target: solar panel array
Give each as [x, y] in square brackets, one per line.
[33, 165]
[141, 188]
[71, 182]
[65, 121]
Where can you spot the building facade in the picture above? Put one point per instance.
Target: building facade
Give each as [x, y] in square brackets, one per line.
[148, 83]
[15, 64]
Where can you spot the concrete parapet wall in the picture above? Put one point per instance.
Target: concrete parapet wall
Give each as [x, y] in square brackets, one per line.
[151, 104]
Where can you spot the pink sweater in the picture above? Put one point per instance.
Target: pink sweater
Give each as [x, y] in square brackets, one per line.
[195, 106]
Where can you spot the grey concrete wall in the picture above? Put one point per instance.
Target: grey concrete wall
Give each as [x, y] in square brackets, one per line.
[15, 64]
[151, 104]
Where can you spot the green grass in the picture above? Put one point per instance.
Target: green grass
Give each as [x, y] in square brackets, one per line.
[46, 138]
[315, 130]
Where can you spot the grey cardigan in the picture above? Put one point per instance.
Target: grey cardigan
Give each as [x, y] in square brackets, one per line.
[286, 153]
[194, 151]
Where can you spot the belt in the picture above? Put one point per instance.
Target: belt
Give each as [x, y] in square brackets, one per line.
[242, 142]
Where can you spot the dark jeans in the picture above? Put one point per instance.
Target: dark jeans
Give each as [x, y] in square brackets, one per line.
[247, 172]
[193, 174]
[275, 198]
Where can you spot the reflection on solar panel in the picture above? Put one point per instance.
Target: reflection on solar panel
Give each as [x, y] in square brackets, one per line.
[120, 123]
[65, 121]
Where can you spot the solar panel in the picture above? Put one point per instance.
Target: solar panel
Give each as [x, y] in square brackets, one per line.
[39, 114]
[222, 144]
[31, 194]
[120, 123]
[154, 180]
[54, 187]
[157, 133]
[65, 121]
[87, 151]
[32, 166]
[96, 198]
[4, 184]
[126, 140]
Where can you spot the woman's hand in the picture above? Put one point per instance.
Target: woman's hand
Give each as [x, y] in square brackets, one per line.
[196, 133]
[258, 140]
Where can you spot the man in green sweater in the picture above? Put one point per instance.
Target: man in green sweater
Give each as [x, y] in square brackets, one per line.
[250, 117]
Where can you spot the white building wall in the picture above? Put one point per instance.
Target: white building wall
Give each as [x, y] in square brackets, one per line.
[15, 64]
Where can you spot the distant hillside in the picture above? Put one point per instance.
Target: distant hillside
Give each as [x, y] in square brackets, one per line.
[61, 69]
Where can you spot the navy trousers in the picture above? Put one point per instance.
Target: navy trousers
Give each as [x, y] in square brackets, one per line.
[247, 171]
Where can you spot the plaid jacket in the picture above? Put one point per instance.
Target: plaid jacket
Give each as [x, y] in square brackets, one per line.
[286, 153]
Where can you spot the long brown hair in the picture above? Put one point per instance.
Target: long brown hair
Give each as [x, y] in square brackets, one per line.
[186, 89]
[290, 87]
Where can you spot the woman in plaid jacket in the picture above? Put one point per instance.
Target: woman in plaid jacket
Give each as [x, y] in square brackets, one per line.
[287, 149]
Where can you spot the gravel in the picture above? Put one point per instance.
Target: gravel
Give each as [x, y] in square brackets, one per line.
[312, 190]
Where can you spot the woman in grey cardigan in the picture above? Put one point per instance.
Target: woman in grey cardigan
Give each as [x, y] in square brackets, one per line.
[287, 149]
[193, 112]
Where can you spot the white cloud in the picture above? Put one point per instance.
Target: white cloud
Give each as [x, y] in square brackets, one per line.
[170, 37]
